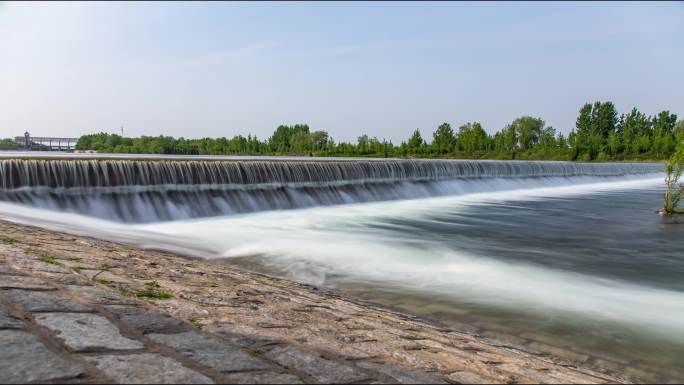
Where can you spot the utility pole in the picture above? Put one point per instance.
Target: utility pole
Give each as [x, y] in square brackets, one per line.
[122, 131]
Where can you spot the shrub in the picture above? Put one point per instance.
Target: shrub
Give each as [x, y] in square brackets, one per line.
[674, 190]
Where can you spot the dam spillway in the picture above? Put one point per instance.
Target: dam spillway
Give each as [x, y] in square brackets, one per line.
[547, 249]
[159, 189]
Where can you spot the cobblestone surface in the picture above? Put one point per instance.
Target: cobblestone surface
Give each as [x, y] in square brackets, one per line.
[20, 282]
[88, 311]
[147, 368]
[38, 301]
[262, 378]
[146, 320]
[23, 358]
[86, 332]
[213, 353]
[8, 320]
[320, 369]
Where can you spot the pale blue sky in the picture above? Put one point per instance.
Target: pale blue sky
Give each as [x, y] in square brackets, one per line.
[220, 69]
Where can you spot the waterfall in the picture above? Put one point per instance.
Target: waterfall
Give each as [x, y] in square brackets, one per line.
[157, 190]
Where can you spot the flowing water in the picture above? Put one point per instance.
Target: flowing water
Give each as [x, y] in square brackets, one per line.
[562, 258]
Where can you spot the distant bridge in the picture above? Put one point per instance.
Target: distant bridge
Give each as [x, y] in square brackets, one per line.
[46, 143]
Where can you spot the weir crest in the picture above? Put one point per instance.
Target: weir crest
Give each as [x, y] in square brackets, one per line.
[159, 190]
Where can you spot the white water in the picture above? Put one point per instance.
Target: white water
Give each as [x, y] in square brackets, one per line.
[312, 243]
[137, 191]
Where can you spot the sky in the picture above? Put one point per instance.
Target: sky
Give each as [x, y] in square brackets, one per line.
[385, 69]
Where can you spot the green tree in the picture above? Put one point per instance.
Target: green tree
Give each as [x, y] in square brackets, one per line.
[443, 139]
[472, 138]
[598, 135]
[664, 125]
[584, 127]
[635, 130]
[9, 144]
[679, 131]
[416, 142]
[510, 138]
[281, 140]
[614, 144]
[528, 130]
[362, 144]
[319, 139]
[674, 190]
[604, 120]
[547, 139]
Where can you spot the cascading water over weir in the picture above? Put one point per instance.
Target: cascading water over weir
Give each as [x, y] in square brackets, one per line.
[169, 189]
[566, 254]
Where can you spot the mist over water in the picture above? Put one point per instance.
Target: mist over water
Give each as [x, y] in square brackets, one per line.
[565, 256]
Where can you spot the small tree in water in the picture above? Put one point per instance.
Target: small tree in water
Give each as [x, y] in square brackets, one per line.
[674, 191]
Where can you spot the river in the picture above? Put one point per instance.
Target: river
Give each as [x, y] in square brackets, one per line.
[567, 259]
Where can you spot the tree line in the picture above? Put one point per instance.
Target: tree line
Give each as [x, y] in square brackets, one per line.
[600, 134]
[9, 144]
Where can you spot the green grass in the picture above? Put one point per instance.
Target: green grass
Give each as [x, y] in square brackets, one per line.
[48, 259]
[154, 294]
[8, 240]
[77, 269]
[103, 281]
[152, 291]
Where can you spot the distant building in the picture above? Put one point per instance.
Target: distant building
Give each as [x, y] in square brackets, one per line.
[46, 143]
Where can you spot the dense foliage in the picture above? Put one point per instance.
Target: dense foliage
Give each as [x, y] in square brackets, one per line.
[599, 134]
[674, 190]
[8, 144]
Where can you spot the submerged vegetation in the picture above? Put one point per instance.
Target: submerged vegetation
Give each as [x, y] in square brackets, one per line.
[599, 134]
[674, 190]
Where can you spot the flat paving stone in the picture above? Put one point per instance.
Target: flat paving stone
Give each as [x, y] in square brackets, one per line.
[262, 378]
[468, 378]
[146, 320]
[321, 369]
[34, 264]
[23, 359]
[7, 320]
[104, 275]
[69, 279]
[42, 301]
[402, 376]
[215, 354]
[19, 282]
[97, 296]
[86, 332]
[4, 269]
[227, 332]
[146, 368]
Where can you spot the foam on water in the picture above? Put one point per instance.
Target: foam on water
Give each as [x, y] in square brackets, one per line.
[169, 189]
[310, 244]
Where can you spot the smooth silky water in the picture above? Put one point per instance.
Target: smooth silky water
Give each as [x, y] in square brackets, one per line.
[552, 257]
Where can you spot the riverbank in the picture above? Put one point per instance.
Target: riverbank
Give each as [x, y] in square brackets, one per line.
[142, 315]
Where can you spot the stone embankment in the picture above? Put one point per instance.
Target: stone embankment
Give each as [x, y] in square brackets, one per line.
[76, 309]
